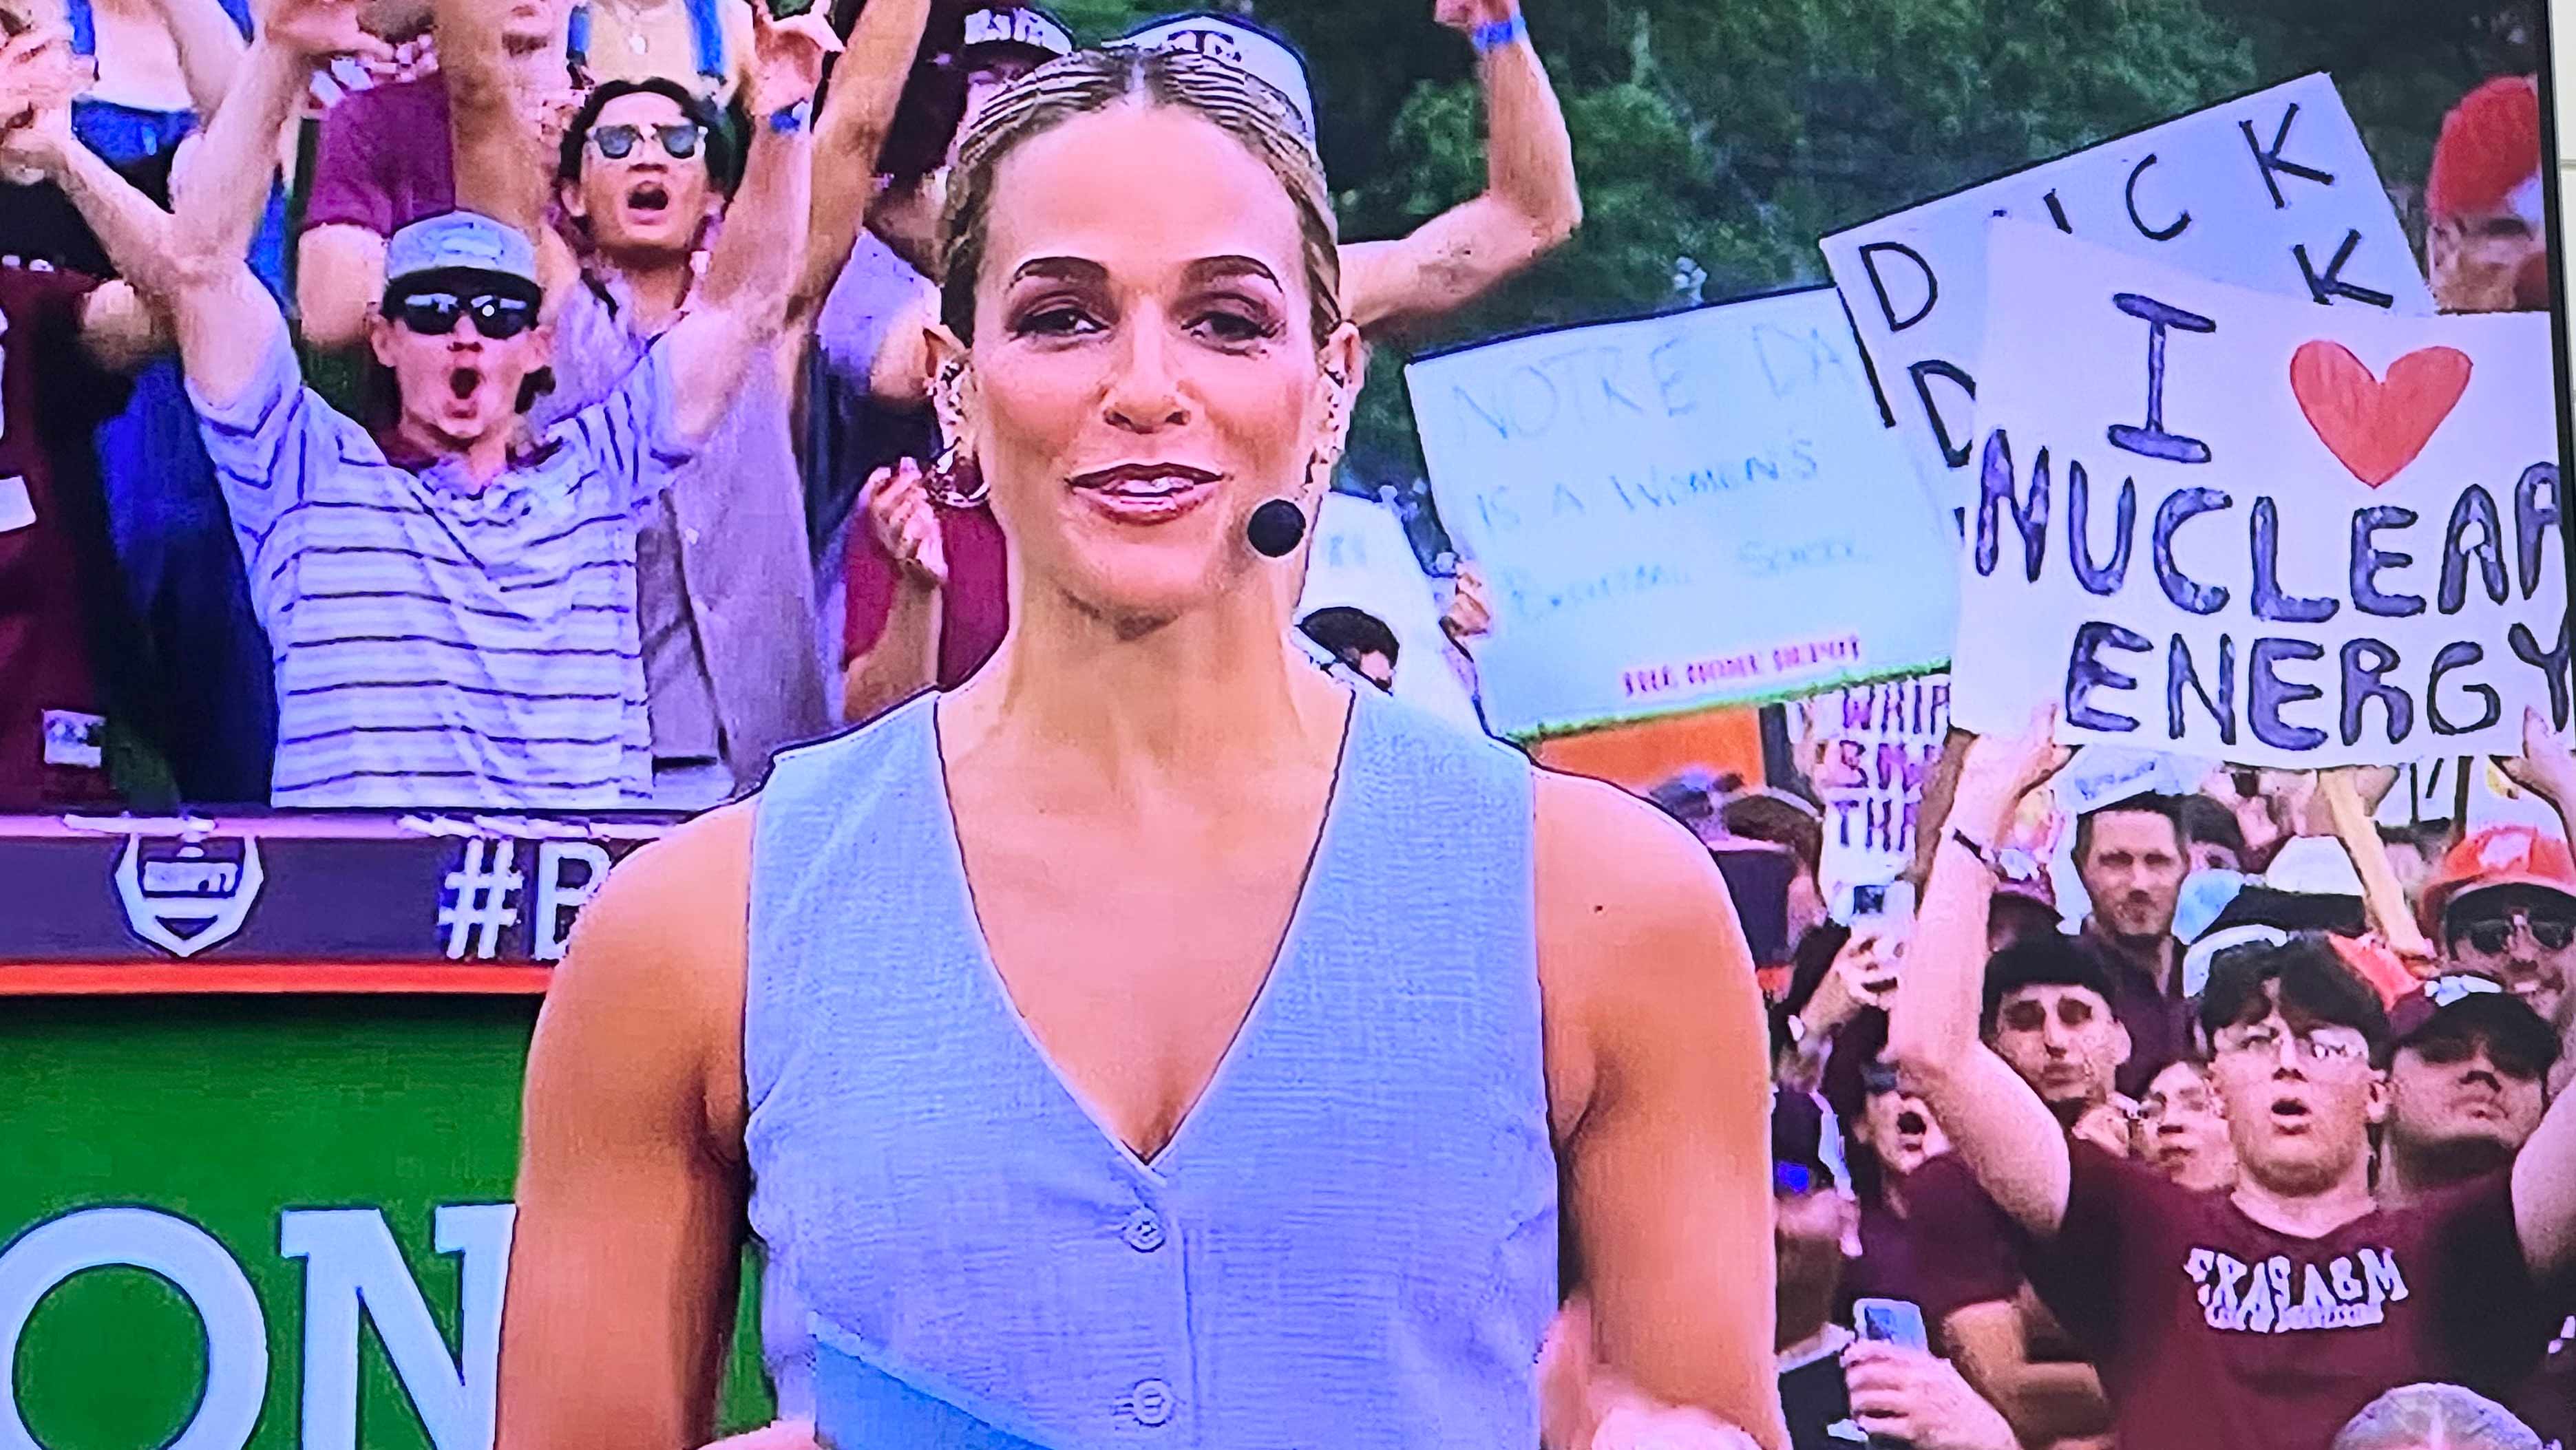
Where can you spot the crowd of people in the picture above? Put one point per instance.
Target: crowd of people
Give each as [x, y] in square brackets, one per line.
[544, 407]
[533, 492]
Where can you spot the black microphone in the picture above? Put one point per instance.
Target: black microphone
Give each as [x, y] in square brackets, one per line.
[1276, 529]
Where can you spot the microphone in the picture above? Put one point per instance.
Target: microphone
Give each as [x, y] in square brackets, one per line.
[1277, 527]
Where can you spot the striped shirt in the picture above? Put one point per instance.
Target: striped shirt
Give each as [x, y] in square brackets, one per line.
[438, 645]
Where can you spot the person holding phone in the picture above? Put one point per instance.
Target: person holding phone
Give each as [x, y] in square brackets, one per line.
[1087, 1048]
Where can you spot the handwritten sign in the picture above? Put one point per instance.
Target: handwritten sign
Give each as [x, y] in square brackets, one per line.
[2224, 524]
[1362, 560]
[2273, 191]
[1685, 511]
[1869, 752]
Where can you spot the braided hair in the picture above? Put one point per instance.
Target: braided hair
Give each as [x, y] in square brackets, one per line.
[1090, 81]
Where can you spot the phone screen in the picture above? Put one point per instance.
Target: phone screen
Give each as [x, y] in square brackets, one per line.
[1890, 1321]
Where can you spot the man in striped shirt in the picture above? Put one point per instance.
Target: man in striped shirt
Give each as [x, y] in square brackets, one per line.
[450, 601]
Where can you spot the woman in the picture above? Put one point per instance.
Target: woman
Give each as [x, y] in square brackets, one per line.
[1150, 1038]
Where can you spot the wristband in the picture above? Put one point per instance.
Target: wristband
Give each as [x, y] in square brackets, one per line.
[788, 120]
[1495, 34]
[1970, 844]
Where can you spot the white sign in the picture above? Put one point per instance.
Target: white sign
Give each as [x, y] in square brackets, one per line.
[1869, 753]
[1685, 511]
[1362, 560]
[2228, 525]
[2274, 191]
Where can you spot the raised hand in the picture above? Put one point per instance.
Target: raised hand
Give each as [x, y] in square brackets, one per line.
[2001, 769]
[39, 75]
[787, 57]
[1464, 16]
[2545, 768]
[319, 30]
[2107, 1127]
[1470, 615]
[899, 514]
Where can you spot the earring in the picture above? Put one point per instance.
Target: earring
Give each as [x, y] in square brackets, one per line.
[956, 481]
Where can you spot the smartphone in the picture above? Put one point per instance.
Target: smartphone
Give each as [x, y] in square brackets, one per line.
[1887, 911]
[1890, 1321]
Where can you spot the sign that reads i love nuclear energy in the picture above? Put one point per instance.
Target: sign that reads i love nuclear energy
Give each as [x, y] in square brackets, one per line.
[2224, 524]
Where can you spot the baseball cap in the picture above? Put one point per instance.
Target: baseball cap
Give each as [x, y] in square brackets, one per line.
[1244, 46]
[1025, 26]
[2496, 856]
[2472, 1007]
[2487, 161]
[1798, 1157]
[461, 241]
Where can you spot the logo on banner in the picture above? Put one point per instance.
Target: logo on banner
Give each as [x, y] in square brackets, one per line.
[184, 899]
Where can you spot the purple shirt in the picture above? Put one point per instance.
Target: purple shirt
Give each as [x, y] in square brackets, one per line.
[383, 160]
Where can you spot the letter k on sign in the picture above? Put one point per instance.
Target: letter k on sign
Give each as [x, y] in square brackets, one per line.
[2377, 427]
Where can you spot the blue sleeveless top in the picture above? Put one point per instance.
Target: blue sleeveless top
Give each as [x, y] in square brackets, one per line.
[1350, 1242]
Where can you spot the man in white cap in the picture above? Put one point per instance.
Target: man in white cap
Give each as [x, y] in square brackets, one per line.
[451, 601]
[924, 582]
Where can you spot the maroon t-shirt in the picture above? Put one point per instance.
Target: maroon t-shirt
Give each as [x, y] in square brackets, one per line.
[2213, 1332]
[2547, 1401]
[55, 563]
[382, 161]
[974, 609]
[1965, 1249]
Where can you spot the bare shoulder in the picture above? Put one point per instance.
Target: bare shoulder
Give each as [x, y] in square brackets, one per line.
[1613, 869]
[1640, 955]
[655, 970]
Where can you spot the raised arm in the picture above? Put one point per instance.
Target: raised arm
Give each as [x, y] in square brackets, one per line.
[227, 323]
[743, 304]
[631, 1181]
[1529, 206]
[2544, 1175]
[117, 329]
[498, 134]
[1658, 1081]
[210, 50]
[849, 134]
[2000, 1127]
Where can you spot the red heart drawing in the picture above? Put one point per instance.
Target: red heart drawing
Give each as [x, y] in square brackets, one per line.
[2376, 427]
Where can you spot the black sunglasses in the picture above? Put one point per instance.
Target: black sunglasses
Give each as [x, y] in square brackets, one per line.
[2491, 935]
[679, 139]
[496, 316]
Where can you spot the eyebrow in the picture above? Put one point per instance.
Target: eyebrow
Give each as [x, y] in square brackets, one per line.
[1062, 269]
[1212, 269]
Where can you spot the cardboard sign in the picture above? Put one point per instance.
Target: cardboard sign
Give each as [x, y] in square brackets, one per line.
[2227, 525]
[1869, 753]
[1684, 511]
[2273, 191]
[1362, 560]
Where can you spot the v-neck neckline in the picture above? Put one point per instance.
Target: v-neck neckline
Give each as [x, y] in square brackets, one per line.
[989, 972]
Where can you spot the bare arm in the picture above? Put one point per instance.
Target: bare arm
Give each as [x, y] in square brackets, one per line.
[2383, 899]
[623, 1265]
[1657, 1079]
[2000, 1127]
[227, 322]
[904, 660]
[339, 278]
[210, 50]
[848, 135]
[495, 133]
[2044, 1401]
[743, 304]
[1530, 205]
[2544, 1174]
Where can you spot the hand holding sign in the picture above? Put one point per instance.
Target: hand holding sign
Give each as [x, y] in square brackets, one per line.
[2545, 768]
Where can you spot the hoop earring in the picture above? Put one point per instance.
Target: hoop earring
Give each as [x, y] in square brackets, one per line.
[943, 480]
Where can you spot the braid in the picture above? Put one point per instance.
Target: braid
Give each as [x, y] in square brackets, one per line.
[1090, 81]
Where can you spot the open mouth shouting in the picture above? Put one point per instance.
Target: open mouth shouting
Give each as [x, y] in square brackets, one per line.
[2291, 1115]
[648, 201]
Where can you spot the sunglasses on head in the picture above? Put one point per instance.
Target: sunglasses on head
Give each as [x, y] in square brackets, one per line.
[497, 316]
[2491, 935]
[679, 139]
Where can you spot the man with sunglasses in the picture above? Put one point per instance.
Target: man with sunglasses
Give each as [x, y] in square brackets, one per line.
[2502, 906]
[451, 599]
[2268, 1316]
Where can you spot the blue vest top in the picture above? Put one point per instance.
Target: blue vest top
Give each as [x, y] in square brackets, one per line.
[1350, 1242]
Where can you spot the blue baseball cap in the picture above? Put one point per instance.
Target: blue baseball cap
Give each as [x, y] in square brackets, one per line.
[461, 241]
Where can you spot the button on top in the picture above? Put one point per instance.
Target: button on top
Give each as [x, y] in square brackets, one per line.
[1144, 1232]
[1152, 1401]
